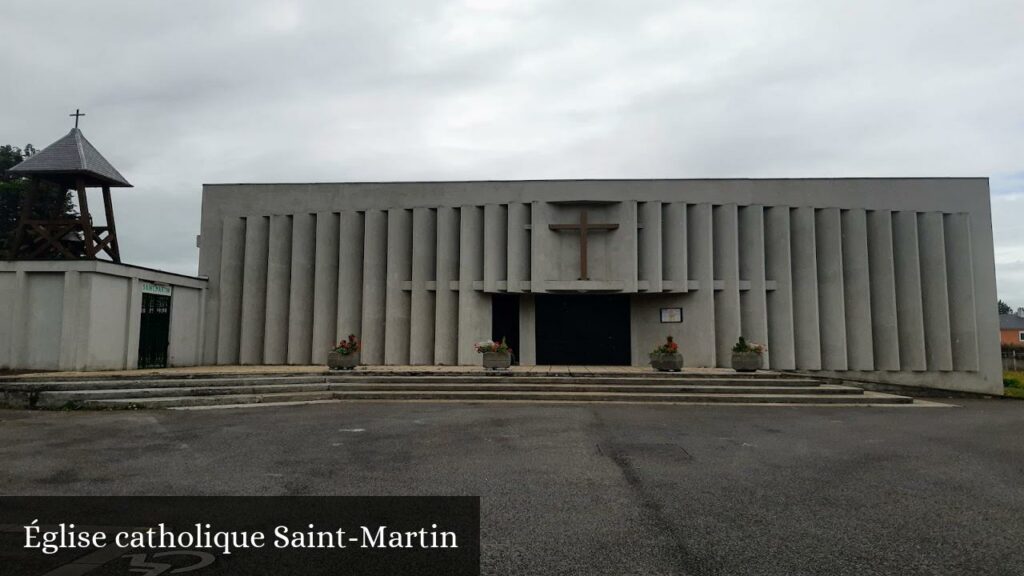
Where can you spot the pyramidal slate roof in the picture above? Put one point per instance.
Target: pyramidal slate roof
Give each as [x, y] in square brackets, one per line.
[70, 158]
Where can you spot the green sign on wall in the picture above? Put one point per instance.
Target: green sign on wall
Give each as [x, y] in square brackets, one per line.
[153, 288]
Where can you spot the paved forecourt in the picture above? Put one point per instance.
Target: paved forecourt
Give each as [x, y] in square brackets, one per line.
[595, 489]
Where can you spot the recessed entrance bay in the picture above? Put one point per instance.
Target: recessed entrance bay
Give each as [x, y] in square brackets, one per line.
[583, 329]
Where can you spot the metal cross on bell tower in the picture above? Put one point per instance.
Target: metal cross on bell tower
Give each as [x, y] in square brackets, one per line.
[78, 114]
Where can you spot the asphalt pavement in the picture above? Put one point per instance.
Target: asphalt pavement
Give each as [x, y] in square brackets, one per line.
[594, 489]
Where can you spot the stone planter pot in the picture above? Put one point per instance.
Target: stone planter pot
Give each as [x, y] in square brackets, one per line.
[497, 360]
[667, 362]
[746, 361]
[339, 361]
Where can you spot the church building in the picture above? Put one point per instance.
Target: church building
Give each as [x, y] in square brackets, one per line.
[876, 279]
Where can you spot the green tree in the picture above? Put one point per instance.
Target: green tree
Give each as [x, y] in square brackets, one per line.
[52, 202]
[1005, 308]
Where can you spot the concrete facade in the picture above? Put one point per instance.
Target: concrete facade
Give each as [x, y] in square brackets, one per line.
[890, 280]
[85, 315]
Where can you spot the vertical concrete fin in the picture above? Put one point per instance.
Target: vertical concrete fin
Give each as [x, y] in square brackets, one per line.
[446, 324]
[540, 238]
[375, 257]
[806, 326]
[424, 258]
[857, 290]
[753, 302]
[831, 297]
[909, 308]
[882, 266]
[673, 246]
[351, 238]
[650, 241]
[726, 259]
[254, 290]
[232, 269]
[279, 270]
[301, 298]
[782, 352]
[518, 270]
[984, 266]
[398, 309]
[474, 305]
[700, 249]
[495, 245]
[935, 298]
[325, 286]
[960, 274]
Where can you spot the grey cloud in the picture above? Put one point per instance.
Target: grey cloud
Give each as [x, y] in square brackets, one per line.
[188, 92]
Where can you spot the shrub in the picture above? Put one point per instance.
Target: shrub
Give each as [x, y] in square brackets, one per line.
[492, 346]
[348, 346]
[743, 346]
[669, 347]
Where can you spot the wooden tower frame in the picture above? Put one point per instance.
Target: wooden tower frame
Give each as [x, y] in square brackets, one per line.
[70, 163]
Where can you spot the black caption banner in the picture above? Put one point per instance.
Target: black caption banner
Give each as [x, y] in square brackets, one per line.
[212, 535]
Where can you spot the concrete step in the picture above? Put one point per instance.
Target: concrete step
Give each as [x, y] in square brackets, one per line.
[644, 380]
[869, 398]
[369, 372]
[56, 399]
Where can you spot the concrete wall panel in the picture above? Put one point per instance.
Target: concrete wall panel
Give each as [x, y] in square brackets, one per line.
[254, 290]
[351, 287]
[753, 301]
[325, 286]
[446, 318]
[778, 269]
[881, 263]
[43, 319]
[960, 275]
[424, 261]
[909, 309]
[806, 323]
[397, 314]
[699, 310]
[831, 294]
[186, 320]
[279, 269]
[726, 271]
[232, 280]
[857, 291]
[300, 297]
[649, 238]
[673, 247]
[375, 257]
[934, 296]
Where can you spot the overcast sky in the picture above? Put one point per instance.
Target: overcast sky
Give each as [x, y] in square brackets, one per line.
[192, 91]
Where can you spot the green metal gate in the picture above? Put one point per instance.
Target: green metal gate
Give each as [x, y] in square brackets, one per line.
[154, 329]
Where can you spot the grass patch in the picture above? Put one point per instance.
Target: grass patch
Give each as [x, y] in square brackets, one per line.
[1013, 384]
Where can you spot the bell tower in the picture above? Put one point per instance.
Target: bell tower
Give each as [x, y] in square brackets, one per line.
[71, 163]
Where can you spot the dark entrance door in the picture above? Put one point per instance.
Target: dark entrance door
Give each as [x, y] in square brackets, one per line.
[583, 329]
[154, 329]
[505, 321]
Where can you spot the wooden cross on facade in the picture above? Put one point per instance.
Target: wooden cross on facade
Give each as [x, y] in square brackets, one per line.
[584, 228]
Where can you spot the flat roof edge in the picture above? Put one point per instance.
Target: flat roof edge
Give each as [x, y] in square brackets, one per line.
[543, 180]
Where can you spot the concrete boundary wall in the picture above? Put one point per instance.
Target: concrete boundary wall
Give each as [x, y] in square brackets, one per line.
[84, 315]
[893, 278]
